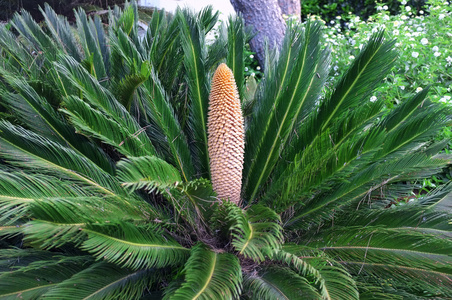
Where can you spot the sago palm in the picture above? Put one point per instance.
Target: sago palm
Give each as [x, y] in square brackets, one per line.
[109, 150]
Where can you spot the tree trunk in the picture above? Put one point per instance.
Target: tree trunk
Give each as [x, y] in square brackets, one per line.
[290, 7]
[265, 17]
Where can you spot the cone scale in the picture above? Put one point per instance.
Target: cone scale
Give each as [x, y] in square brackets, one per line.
[225, 135]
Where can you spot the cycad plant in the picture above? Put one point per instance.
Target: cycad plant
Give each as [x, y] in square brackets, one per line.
[109, 152]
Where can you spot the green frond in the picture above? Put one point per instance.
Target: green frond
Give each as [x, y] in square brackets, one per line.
[163, 43]
[194, 202]
[412, 259]
[366, 180]
[100, 104]
[236, 47]
[16, 58]
[133, 246]
[15, 200]
[127, 19]
[37, 114]
[28, 150]
[276, 283]
[159, 110]
[96, 123]
[289, 95]
[209, 275]
[41, 43]
[94, 42]
[147, 172]
[104, 281]
[192, 38]
[49, 235]
[41, 274]
[129, 84]
[254, 231]
[366, 71]
[330, 281]
[61, 31]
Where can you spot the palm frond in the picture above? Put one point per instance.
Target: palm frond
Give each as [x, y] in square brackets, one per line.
[288, 102]
[19, 190]
[358, 82]
[28, 150]
[104, 281]
[194, 201]
[40, 275]
[35, 112]
[134, 247]
[274, 282]
[42, 44]
[160, 111]
[100, 105]
[254, 231]
[209, 275]
[423, 255]
[332, 282]
[192, 37]
[16, 57]
[61, 31]
[236, 47]
[147, 172]
[94, 42]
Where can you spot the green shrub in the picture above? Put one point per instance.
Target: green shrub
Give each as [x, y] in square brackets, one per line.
[328, 10]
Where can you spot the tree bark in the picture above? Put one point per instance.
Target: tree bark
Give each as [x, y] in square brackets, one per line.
[265, 17]
[290, 7]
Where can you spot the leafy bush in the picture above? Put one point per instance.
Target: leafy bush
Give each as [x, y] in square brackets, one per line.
[329, 10]
[106, 186]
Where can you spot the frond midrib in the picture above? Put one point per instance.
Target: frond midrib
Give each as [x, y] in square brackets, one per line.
[110, 284]
[154, 246]
[267, 161]
[209, 279]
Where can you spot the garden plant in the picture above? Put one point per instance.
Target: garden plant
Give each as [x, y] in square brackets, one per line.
[120, 153]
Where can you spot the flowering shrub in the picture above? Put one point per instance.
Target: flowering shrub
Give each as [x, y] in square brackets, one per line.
[424, 45]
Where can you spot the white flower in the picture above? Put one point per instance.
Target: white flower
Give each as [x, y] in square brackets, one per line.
[395, 32]
[407, 8]
[449, 59]
[404, 17]
[246, 69]
[424, 41]
[415, 54]
[252, 74]
[396, 23]
[421, 12]
[436, 54]
[403, 2]
[386, 18]
[402, 87]
[251, 56]
[385, 7]
[351, 57]
[435, 48]
[441, 16]
[373, 99]
[258, 68]
[445, 99]
[338, 17]
[419, 89]
[335, 68]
